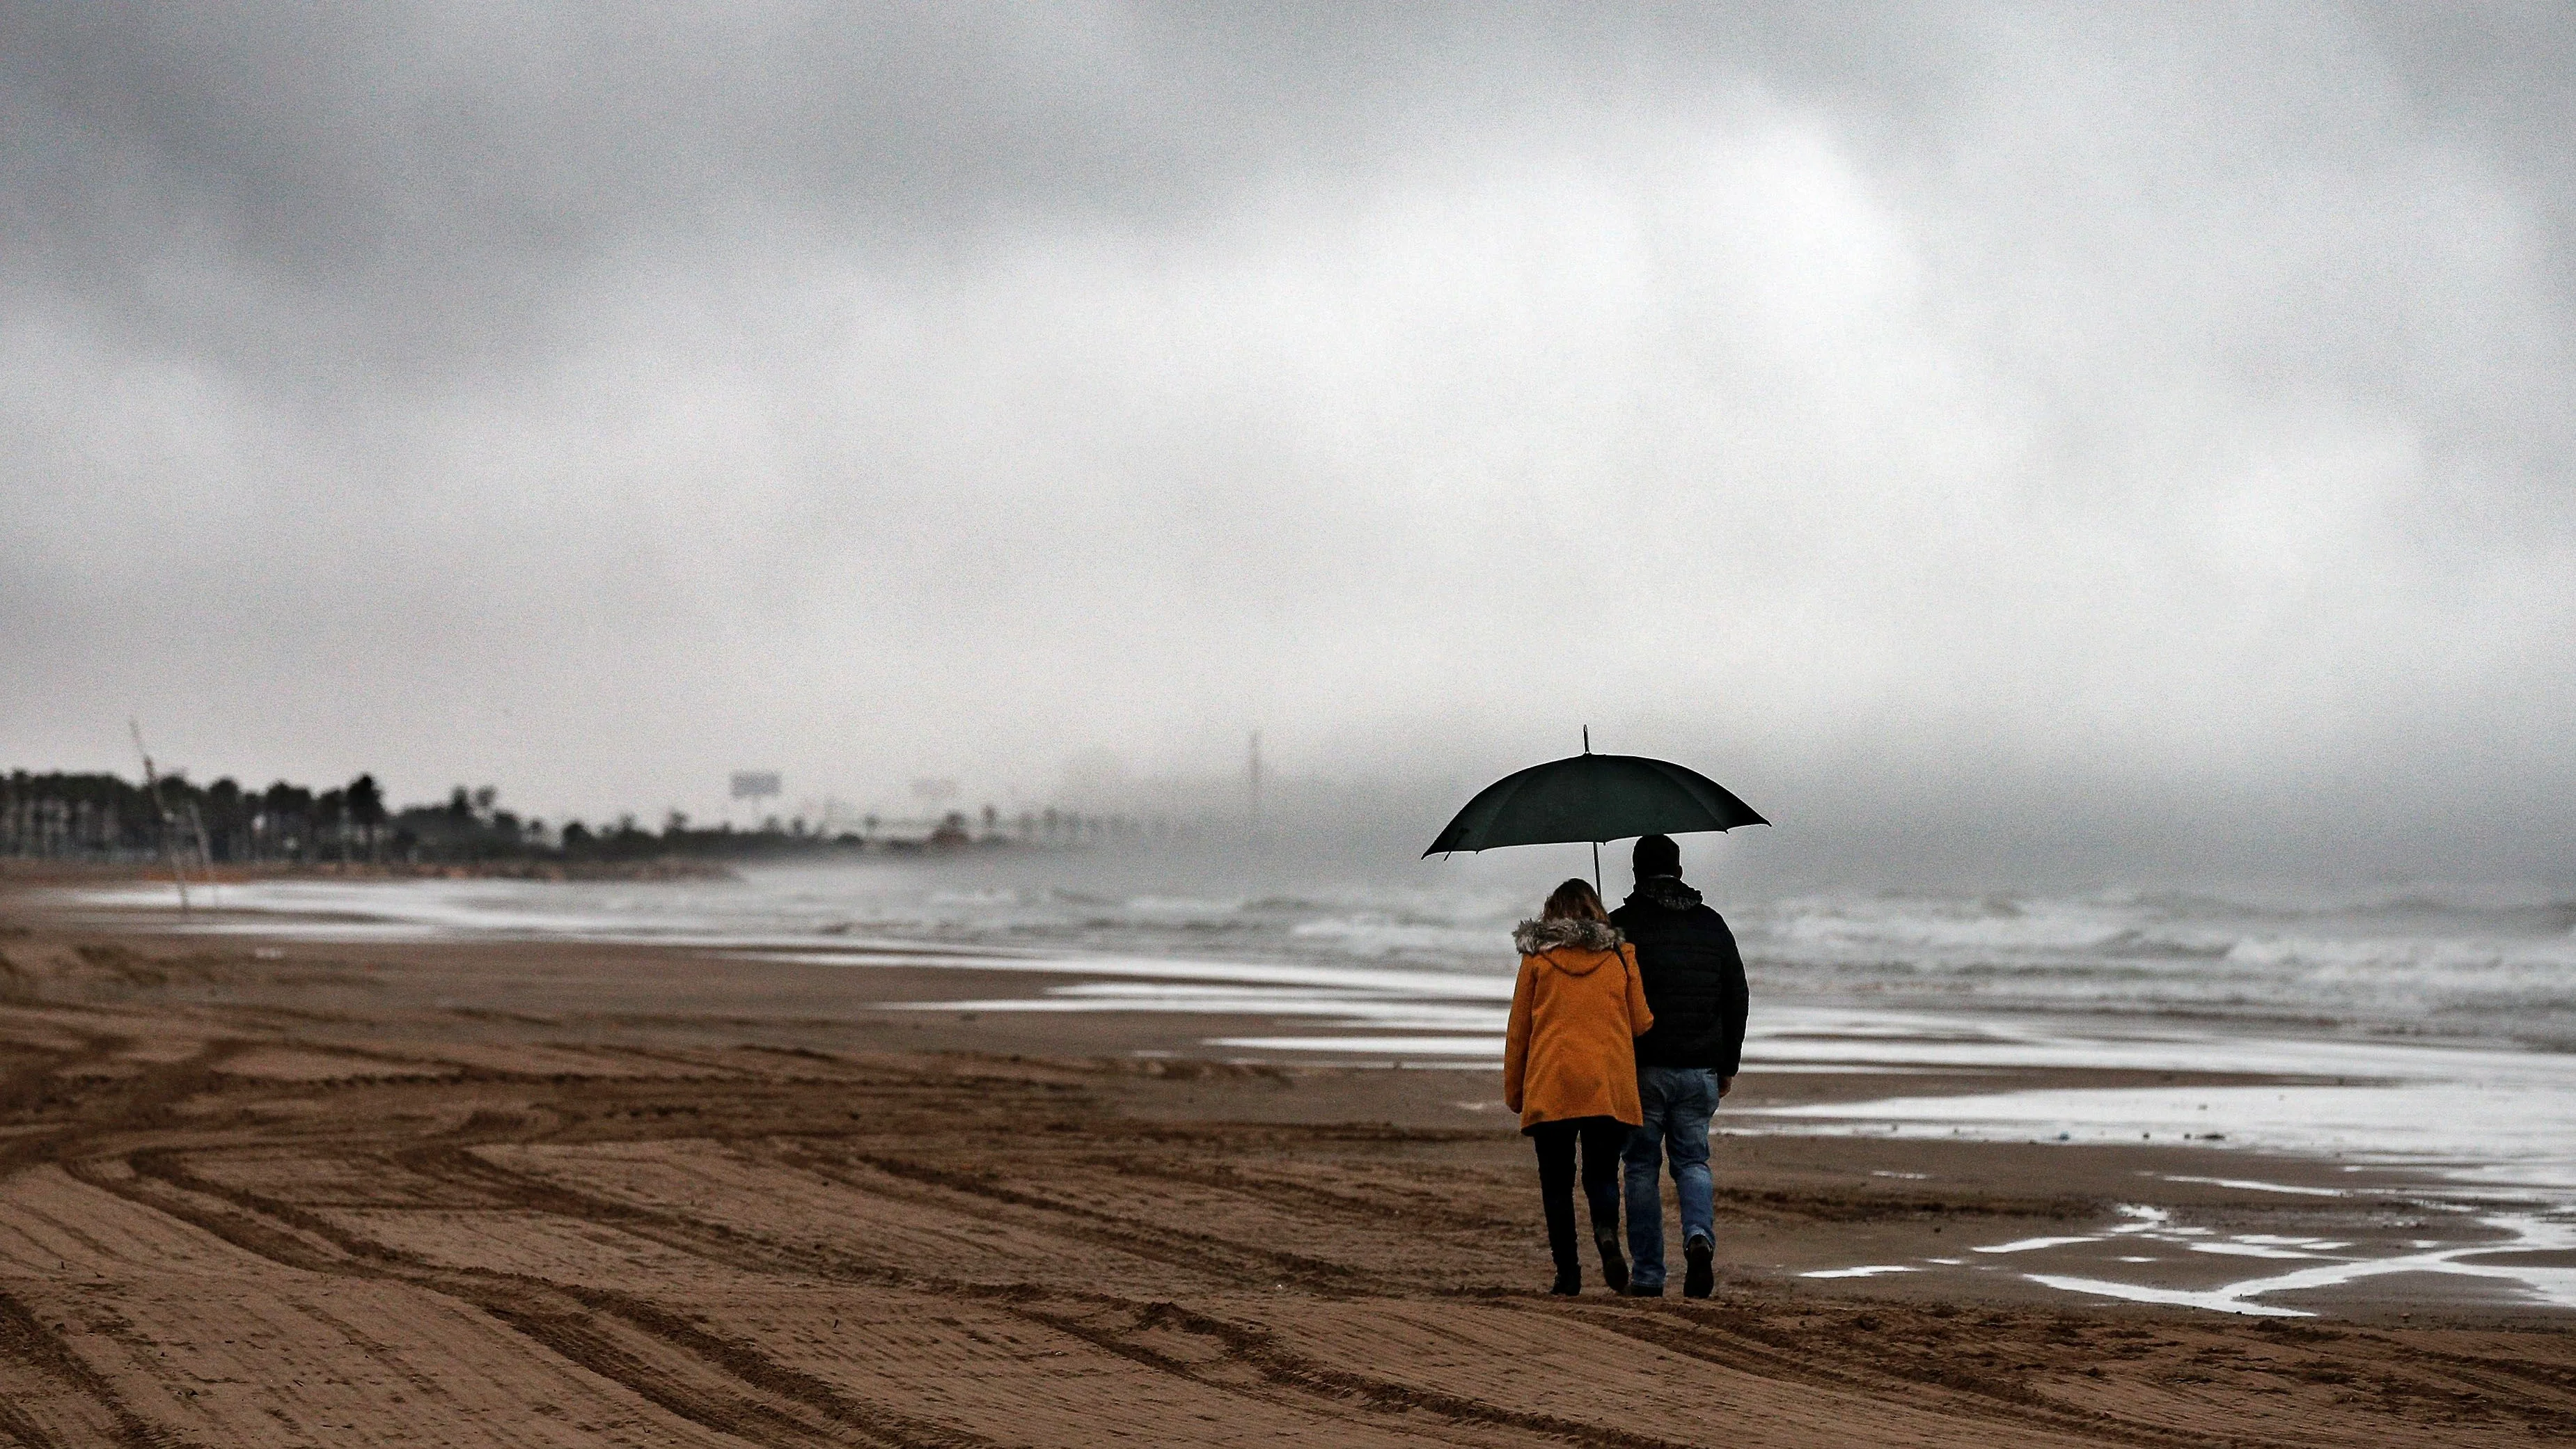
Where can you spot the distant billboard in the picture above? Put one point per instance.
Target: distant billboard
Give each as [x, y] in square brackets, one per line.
[754, 784]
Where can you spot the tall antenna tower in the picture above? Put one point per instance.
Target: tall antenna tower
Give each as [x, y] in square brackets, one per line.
[1254, 779]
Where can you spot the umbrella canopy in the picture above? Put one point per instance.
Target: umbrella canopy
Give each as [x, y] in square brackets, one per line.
[1593, 798]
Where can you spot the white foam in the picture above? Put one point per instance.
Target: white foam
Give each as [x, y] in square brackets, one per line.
[2330, 1262]
[1377, 979]
[2217, 1301]
[2239, 1248]
[1371, 1046]
[2485, 1118]
[2249, 1184]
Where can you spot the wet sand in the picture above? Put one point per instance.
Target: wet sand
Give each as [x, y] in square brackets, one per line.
[261, 1191]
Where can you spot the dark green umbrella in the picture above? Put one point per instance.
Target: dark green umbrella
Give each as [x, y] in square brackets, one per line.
[1589, 797]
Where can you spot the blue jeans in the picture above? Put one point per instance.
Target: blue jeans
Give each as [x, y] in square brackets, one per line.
[1678, 1103]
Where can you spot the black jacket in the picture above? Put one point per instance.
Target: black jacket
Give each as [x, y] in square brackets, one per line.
[1693, 974]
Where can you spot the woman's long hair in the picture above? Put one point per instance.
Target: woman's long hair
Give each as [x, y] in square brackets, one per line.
[1574, 901]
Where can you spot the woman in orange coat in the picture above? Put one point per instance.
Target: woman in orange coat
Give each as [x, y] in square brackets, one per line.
[1570, 1068]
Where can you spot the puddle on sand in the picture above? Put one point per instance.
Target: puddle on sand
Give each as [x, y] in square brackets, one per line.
[2520, 1256]
[2463, 1185]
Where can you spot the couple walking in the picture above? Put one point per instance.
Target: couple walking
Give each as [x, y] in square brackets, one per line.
[1626, 1028]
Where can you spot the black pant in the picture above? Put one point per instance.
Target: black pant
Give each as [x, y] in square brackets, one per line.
[1602, 1139]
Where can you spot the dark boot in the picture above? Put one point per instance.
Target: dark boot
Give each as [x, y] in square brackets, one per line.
[1614, 1266]
[1699, 1278]
[1569, 1282]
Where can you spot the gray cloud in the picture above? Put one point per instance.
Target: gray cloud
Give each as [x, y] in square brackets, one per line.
[2145, 430]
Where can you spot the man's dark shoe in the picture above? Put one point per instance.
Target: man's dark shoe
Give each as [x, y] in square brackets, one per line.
[1699, 1279]
[1569, 1281]
[1640, 1290]
[1614, 1267]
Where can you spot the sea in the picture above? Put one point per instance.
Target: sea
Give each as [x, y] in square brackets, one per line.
[2418, 1036]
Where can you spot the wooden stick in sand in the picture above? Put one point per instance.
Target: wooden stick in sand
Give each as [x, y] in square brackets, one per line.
[152, 784]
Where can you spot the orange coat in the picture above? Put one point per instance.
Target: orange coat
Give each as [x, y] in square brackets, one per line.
[1576, 1014]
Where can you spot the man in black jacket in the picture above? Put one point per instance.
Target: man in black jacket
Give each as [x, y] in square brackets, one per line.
[1694, 981]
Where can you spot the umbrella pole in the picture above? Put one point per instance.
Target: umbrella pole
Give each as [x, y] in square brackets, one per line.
[1596, 845]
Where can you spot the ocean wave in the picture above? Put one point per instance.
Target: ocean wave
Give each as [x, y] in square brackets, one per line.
[2464, 959]
[1386, 936]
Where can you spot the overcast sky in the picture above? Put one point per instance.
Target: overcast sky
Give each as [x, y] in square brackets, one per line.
[2145, 427]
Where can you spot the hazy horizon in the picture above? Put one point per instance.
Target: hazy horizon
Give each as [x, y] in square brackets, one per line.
[1999, 442]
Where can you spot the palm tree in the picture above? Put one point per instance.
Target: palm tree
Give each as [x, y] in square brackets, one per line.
[367, 809]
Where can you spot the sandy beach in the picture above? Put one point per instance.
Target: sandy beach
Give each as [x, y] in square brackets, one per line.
[876, 724]
[284, 1192]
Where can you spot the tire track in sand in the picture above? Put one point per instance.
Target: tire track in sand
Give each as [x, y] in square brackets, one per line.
[28, 1090]
[564, 1319]
[1071, 1313]
[1684, 1332]
[140, 1102]
[1206, 1252]
[1326, 1363]
[1277, 1375]
[1274, 1189]
[24, 1338]
[1311, 1383]
[715, 1242]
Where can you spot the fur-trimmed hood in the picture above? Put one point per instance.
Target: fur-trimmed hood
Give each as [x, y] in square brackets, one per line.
[1539, 938]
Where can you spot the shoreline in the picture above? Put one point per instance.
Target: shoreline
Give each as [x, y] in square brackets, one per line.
[2379, 1099]
[915, 999]
[22, 873]
[827, 1161]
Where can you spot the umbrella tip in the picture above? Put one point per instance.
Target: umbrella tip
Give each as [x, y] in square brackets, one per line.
[1587, 739]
